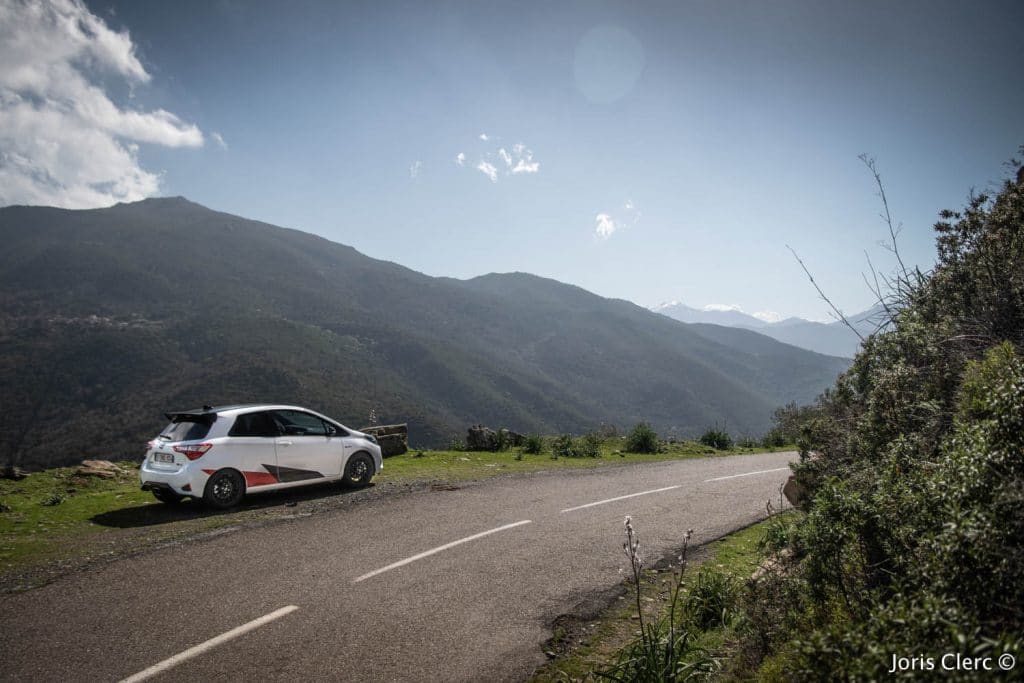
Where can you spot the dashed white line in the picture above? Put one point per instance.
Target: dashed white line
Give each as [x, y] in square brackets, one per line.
[612, 500]
[438, 549]
[746, 474]
[208, 645]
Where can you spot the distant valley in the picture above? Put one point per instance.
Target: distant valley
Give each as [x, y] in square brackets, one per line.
[833, 339]
[109, 317]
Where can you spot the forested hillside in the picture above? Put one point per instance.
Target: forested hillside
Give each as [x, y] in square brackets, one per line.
[110, 317]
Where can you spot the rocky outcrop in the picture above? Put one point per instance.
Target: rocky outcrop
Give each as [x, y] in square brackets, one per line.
[393, 439]
[794, 492]
[481, 438]
[777, 563]
[12, 472]
[98, 468]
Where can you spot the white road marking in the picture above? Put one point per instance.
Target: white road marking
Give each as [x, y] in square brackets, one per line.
[612, 500]
[208, 645]
[746, 474]
[440, 548]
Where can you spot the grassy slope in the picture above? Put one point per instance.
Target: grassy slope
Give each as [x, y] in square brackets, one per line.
[98, 517]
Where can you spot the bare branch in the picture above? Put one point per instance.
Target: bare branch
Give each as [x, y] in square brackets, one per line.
[869, 161]
[839, 314]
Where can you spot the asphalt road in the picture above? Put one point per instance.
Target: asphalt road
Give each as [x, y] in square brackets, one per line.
[382, 590]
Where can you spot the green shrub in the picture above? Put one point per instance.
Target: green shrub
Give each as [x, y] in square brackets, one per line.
[53, 499]
[588, 446]
[775, 438]
[533, 444]
[716, 438]
[913, 541]
[562, 446]
[642, 439]
[712, 599]
[502, 440]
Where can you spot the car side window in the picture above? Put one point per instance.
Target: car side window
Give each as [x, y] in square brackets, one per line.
[298, 423]
[254, 424]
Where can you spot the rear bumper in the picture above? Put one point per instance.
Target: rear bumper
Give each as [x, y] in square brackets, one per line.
[157, 486]
[179, 481]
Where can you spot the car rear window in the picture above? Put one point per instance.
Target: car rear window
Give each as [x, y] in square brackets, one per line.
[187, 428]
[254, 424]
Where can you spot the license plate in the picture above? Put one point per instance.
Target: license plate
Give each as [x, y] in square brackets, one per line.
[163, 457]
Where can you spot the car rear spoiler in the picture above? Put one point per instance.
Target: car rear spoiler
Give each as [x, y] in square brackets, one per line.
[191, 416]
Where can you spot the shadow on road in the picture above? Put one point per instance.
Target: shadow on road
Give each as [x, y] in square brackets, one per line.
[156, 513]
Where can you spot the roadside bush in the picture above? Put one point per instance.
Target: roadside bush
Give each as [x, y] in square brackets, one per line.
[775, 438]
[586, 446]
[456, 444]
[502, 440]
[712, 599]
[747, 442]
[589, 446]
[642, 439]
[913, 540]
[716, 438]
[533, 444]
[562, 447]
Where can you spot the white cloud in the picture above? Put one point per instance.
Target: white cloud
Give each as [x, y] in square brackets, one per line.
[219, 140]
[504, 163]
[723, 307]
[524, 161]
[63, 141]
[606, 226]
[768, 316]
[488, 170]
[414, 169]
[483, 136]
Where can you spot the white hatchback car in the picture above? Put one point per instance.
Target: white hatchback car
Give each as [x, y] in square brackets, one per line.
[219, 454]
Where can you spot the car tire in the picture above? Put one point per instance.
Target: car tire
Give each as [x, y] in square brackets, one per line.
[358, 470]
[166, 496]
[224, 489]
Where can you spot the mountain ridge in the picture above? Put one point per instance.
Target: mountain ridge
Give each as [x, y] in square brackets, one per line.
[833, 339]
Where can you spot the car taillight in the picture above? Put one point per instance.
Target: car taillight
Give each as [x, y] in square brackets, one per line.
[193, 452]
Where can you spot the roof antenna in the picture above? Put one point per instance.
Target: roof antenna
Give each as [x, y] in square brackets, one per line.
[207, 408]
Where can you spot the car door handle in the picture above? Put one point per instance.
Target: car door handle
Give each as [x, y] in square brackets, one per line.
[284, 443]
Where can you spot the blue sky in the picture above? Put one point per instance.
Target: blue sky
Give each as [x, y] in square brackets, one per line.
[665, 150]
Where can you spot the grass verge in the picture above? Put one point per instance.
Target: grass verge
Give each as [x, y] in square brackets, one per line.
[579, 648]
